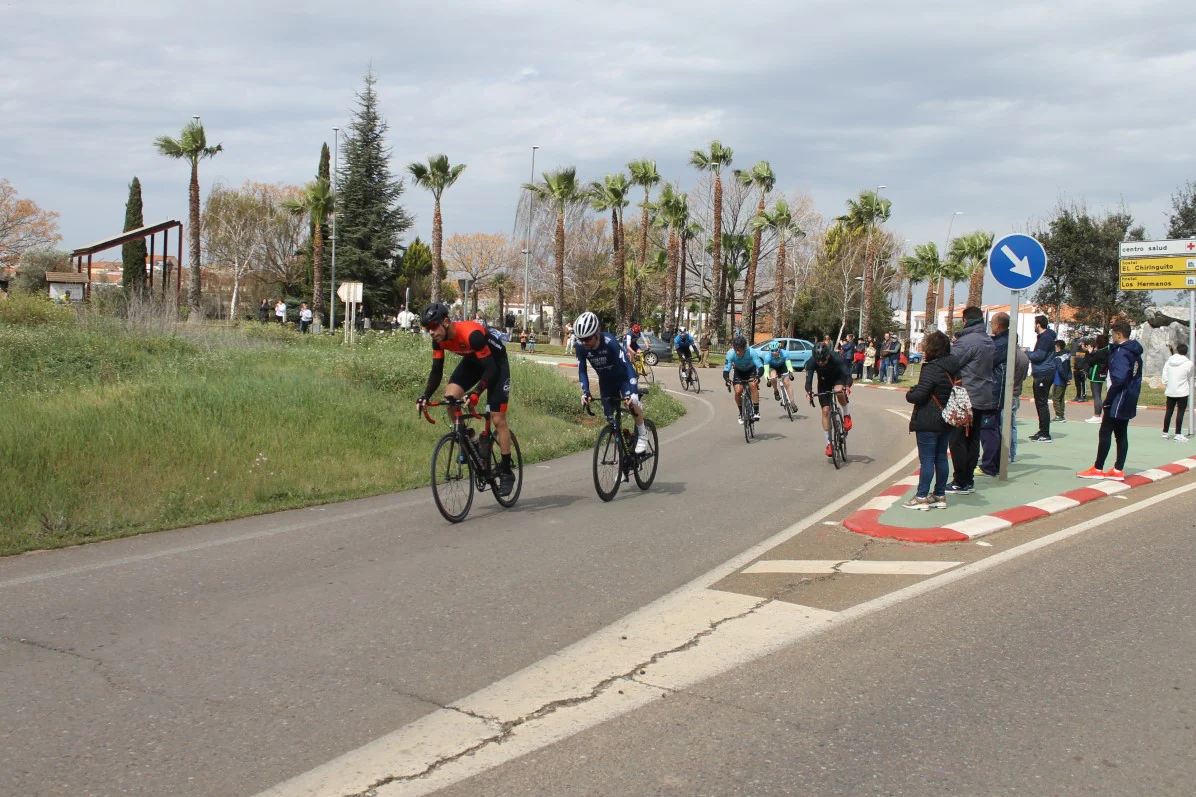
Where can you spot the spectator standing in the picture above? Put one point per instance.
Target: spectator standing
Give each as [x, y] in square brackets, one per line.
[1177, 372]
[1061, 381]
[893, 356]
[523, 340]
[973, 349]
[280, 312]
[406, 320]
[990, 464]
[510, 323]
[531, 341]
[1078, 372]
[1121, 403]
[304, 317]
[882, 354]
[847, 347]
[857, 359]
[1042, 369]
[1097, 363]
[704, 349]
[263, 311]
[869, 359]
[933, 433]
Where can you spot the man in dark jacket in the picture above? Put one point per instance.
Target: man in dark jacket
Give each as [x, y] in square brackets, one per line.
[1042, 367]
[1121, 403]
[973, 348]
[991, 463]
[893, 357]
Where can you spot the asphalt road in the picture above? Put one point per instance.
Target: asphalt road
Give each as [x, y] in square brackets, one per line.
[221, 660]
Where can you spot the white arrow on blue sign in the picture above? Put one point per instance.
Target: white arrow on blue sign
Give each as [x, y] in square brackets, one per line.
[1017, 261]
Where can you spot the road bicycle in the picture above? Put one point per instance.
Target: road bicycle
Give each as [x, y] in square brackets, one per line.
[838, 433]
[783, 395]
[689, 375]
[642, 369]
[747, 409]
[463, 461]
[615, 460]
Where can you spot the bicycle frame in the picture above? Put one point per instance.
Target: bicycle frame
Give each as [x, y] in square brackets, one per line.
[615, 421]
[459, 414]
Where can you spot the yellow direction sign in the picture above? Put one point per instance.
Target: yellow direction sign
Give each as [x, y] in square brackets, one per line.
[1158, 265]
[1157, 282]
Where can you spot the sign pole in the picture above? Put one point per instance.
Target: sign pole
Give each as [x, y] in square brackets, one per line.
[1007, 411]
[1191, 353]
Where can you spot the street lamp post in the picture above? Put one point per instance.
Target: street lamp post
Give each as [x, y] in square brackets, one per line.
[336, 150]
[860, 329]
[937, 294]
[527, 252]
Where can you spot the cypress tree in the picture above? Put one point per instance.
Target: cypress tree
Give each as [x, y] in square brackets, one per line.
[133, 254]
[370, 221]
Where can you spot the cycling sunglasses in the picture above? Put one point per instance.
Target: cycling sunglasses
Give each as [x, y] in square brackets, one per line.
[432, 326]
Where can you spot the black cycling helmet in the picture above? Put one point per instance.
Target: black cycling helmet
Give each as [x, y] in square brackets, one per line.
[433, 313]
[822, 352]
[740, 342]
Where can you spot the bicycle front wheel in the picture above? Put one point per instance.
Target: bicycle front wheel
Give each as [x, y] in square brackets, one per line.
[452, 479]
[608, 464]
[694, 382]
[745, 413]
[683, 377]
[649, 375]
[788, 404]
[645, 466]
[507, 501]
[838, 446]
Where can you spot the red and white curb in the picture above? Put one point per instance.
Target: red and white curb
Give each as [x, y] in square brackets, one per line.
[866, 520]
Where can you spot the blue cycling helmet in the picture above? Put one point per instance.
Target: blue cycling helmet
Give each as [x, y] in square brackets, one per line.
[774, 346]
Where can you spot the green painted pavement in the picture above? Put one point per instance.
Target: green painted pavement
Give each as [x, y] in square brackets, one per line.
[1042, 470]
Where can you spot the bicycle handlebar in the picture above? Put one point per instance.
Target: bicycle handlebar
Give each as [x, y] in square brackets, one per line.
[448, 401]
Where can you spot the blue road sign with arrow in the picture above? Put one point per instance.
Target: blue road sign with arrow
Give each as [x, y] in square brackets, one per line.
[1017, 261]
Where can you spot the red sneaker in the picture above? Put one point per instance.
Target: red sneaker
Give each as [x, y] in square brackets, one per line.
[1092, 473]
[847, 423]
[1115, 475]
[830, 451]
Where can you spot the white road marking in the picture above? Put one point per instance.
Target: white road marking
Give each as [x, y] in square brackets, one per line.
[858, 567]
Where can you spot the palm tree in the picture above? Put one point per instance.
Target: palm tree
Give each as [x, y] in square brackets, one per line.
[865, 213]
[736, 250]
[611, 194]
[922, 266]
[672, 213]
[436, 176]
[971, 251]
[644, 173]
[563, 190]
[760, 177]
[714, 161]
[780, 221]
[955, 271]
[316, 203]
[191, 146]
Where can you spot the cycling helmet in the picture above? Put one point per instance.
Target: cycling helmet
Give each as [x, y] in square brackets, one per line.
[740, 342]
[681, 330]
[822, 352]
[433, 314]
[635, 328]
[774, 346]
[585, 325]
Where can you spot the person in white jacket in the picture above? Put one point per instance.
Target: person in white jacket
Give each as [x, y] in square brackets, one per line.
[1177, 373]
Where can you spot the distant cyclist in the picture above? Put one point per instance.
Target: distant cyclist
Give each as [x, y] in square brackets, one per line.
[685, 345]
[616, 377]
[483, 366]
[631, 341]
[747, 366]
[833, 375]
[777, 361]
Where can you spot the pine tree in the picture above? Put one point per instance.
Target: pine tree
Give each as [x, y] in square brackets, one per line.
[370, 221]
[133, 254]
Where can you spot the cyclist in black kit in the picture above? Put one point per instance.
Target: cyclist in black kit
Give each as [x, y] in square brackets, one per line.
[834, 374]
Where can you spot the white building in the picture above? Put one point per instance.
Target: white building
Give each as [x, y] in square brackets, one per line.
[1025, 321]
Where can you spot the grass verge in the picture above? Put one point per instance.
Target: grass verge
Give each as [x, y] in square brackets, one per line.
[107, 432]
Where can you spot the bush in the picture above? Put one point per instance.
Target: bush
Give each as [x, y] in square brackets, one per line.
[30, 309]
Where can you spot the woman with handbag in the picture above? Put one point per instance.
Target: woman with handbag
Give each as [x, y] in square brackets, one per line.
[929, 396]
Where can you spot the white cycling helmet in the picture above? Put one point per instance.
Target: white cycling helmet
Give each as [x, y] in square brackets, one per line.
[585, 325]
[681, 331]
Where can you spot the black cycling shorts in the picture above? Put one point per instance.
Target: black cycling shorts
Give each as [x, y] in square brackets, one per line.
[469, 371]
[743, 376]
[825, 401]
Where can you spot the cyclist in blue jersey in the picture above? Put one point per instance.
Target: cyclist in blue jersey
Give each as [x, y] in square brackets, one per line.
[834, 375]
[747, 366]
[684, 343]
[616, 377]
[631, 341]
[777, 361]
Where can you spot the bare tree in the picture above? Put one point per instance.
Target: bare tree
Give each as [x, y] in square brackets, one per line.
[233, 235]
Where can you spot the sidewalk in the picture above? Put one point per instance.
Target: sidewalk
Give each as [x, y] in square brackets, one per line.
[1042, 482]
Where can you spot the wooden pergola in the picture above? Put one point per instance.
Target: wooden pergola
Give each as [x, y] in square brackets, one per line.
[149, 232]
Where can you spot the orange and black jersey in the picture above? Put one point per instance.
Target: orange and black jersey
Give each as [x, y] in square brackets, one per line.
[472, 341]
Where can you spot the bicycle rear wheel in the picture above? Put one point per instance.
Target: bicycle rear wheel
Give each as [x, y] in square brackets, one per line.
[645, 465]
[507, 501]
[452, 479]
[608, 464]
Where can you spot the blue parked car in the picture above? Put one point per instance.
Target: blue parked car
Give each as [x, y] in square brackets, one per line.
[796, 350]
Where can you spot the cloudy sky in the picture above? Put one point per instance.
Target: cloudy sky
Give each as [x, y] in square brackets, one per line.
[994, 109]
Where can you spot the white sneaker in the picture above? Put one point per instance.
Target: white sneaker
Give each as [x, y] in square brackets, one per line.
[755, 416]
[1179, 438]
[740, 420]
[641, 445]
[1166, 436]
[1093, 419]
